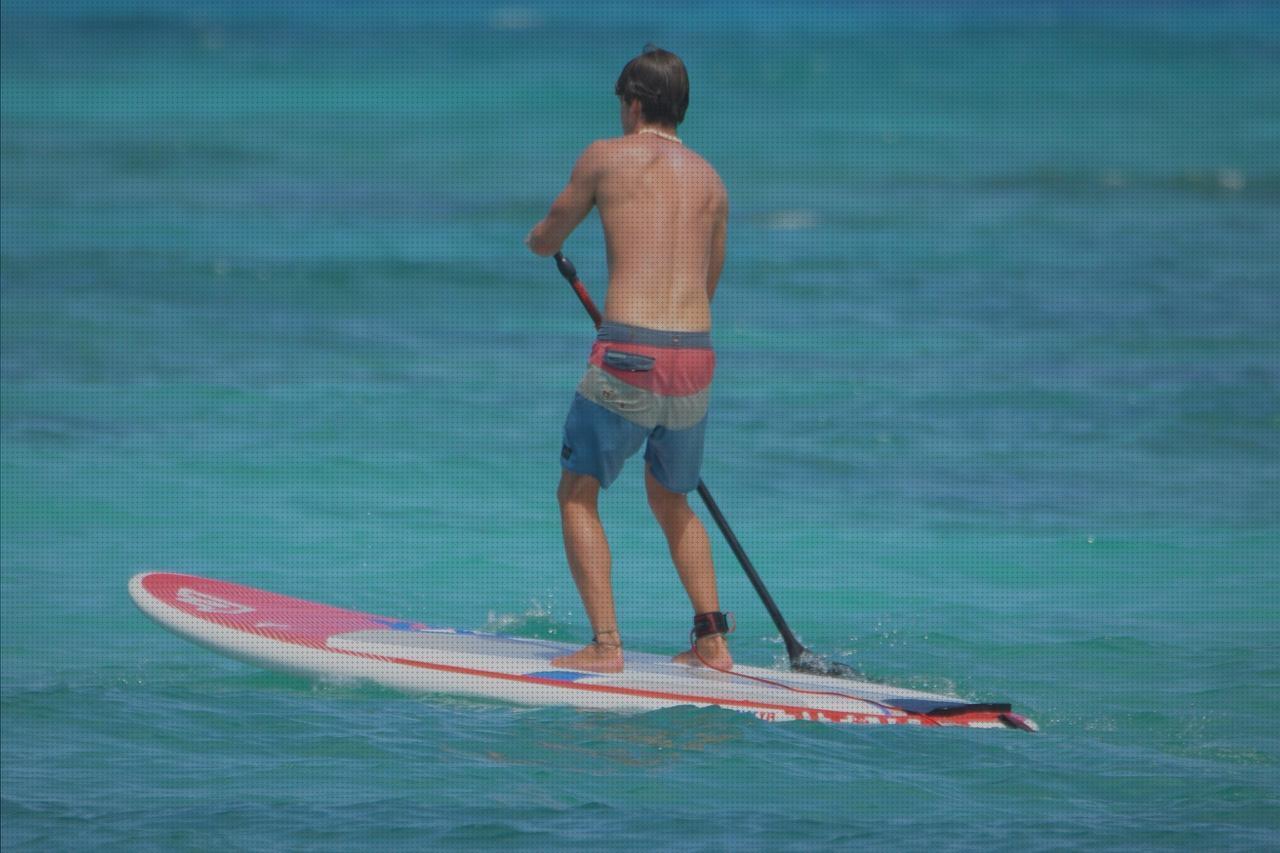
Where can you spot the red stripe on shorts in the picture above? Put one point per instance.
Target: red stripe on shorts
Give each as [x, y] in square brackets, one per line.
[677, 372]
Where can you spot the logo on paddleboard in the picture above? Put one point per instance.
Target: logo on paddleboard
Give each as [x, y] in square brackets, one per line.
[206, 603]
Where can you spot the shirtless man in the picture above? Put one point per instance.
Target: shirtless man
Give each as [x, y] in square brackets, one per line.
[664, 211]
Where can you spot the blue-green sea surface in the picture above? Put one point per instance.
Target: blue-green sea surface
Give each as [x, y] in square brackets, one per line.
[997, 412]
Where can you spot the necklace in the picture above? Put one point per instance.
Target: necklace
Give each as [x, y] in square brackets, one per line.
[675, 139]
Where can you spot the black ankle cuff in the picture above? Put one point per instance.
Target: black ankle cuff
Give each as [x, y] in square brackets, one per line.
[711, 624]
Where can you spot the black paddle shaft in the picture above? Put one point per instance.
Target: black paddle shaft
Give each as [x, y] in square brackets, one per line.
[801, 658]
[795, 651]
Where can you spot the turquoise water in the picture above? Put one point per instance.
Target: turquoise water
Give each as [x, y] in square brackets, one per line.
[997, 412]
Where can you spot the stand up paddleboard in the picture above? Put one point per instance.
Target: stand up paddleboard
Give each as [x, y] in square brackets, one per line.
[279, 632]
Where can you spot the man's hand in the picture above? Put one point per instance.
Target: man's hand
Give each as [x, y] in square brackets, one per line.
[534, 242]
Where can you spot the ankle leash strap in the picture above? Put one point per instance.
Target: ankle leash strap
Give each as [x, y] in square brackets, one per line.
[616, 643]
[710, 624]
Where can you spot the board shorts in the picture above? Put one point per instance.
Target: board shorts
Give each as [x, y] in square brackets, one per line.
[641, 386]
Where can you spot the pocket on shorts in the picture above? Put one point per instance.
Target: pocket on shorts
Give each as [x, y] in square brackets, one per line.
[615, 394]
[632, 362]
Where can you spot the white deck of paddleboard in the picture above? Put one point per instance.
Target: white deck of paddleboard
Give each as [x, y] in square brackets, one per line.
[643, 672]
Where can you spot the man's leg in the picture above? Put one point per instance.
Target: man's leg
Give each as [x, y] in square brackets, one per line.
[588, 552]
[691, 552]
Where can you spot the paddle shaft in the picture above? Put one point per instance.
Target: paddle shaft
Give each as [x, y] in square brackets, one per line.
[798, 654]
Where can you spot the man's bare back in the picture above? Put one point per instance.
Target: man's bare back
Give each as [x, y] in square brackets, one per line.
[664, 211]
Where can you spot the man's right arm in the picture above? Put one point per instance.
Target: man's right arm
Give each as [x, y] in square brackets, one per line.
[718, 238]
[572, 205]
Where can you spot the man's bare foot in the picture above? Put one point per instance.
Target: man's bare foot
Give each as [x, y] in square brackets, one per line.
[602, 654]
[713, 649]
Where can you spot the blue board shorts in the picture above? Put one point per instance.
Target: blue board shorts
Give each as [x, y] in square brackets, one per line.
[642, 386]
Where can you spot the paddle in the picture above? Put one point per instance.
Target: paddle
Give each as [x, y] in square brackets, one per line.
[801, 658]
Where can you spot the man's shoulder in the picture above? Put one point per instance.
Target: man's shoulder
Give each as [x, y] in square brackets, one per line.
[614, 146]
[627, 146]
[711, 178]
[607, 154]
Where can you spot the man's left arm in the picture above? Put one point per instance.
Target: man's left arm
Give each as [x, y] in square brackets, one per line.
[571, 207]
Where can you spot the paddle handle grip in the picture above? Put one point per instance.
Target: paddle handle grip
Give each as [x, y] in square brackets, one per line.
[570, 274]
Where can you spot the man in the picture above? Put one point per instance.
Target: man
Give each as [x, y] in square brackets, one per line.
[664, 211]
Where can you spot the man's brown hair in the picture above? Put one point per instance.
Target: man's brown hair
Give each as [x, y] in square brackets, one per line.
[658, 80]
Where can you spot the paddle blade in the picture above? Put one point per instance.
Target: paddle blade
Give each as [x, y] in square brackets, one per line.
[814, 665]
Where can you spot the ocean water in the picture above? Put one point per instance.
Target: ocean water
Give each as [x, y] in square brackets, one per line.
[997, 412]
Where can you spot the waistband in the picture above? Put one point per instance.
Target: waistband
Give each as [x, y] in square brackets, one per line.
[621, 333]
